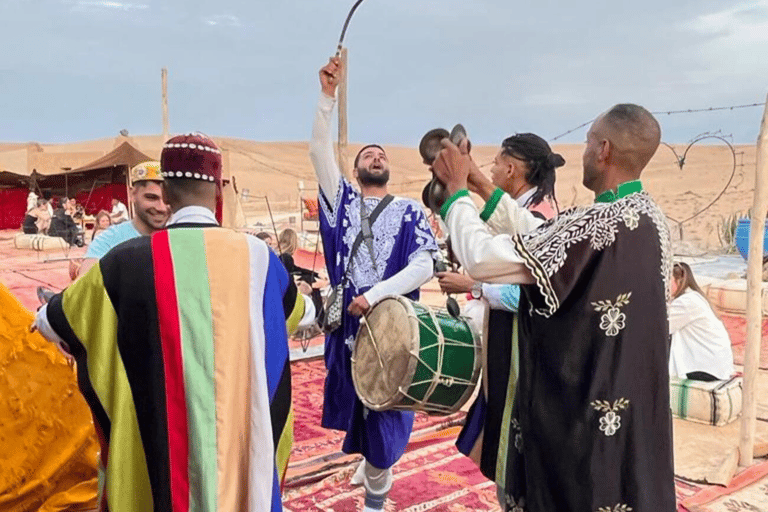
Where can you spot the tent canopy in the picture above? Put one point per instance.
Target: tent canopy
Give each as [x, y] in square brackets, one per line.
[124, 155]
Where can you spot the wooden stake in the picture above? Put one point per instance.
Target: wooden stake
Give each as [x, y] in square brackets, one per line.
[164, 77]
[754, 298]
[343, 137]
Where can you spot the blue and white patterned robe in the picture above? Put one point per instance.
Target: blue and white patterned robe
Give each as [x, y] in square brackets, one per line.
[400, 232]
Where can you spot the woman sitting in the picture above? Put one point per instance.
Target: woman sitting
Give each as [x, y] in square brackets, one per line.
[64, 227]
[101, 222]
[701, 348]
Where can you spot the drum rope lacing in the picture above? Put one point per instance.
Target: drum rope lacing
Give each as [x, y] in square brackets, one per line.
[437, 377]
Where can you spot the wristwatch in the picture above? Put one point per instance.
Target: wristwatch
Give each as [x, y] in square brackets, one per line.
[477, 291]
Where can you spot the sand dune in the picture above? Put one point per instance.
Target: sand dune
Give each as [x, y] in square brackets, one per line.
[274, 170]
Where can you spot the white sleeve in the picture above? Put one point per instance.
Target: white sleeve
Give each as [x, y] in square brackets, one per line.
[416, 273]
[682, 311]
[309, 312]
[321, 149]
[44, 326]
[486, 258]
[510, 218]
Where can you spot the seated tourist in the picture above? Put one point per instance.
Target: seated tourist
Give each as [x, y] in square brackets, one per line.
[63, 226]
[42, 215]
[101, 222]
[29, 226]
[701, 348]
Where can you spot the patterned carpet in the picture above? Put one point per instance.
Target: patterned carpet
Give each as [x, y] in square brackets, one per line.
[431, 477]
[737, 329]
[747, 492]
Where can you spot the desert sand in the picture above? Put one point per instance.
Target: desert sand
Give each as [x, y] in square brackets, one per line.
[275, 169]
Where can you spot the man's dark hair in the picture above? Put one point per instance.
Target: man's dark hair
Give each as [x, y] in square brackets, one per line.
[359, 153]
[635, 134]
[541, 162]
[179, 190]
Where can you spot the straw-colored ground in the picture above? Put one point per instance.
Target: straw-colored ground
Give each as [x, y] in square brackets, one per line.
[275, 170]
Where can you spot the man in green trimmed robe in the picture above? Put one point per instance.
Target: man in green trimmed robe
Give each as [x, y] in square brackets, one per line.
[591, 424]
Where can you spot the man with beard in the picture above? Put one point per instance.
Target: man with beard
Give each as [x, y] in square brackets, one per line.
[591, 422]
[150, 214]
[396, 257]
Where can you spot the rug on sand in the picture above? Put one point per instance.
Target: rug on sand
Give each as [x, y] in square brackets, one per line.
[747, 492]
[432, 478]
[316, 450]
[737, 329]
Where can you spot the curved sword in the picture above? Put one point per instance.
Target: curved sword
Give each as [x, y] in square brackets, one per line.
[346, 24]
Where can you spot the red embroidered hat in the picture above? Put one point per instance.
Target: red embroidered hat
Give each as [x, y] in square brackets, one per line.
[191, 156]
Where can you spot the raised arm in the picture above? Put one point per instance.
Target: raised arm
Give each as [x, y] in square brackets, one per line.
[487, 258]
[321, 146]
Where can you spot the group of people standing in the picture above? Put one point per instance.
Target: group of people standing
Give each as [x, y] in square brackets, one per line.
[180, 336]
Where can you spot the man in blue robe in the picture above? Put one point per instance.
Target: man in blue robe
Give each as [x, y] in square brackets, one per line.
[404, 250]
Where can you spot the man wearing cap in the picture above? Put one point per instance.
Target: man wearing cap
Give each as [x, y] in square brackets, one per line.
[181, 347]
[150, 214]
[397, 259]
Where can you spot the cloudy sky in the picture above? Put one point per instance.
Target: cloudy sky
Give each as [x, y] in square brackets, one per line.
[83, 69]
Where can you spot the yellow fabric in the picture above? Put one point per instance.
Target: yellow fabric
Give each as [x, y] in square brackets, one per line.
[128, 486]
[284, 445]
[292, 323]
[48, 446]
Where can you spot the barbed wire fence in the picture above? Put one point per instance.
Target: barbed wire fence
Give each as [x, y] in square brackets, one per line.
[666, 112]
[727, 139]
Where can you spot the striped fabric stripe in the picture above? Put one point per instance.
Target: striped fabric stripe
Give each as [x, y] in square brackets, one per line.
[227, 252]
[194, 302]
[262, 497]
[170, 338]
[504, 440]
[126, 477]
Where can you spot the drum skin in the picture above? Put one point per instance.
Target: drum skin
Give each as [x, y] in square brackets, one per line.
[409, 357]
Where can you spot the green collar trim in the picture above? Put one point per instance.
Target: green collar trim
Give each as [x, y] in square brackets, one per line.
[449, 202]
[623, 190]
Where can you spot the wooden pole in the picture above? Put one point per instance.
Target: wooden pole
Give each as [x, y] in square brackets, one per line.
[164, 77]
[343, 137]
[754, 298]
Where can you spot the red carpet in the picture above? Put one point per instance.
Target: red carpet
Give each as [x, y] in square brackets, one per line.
[737, 329]
[317, 451]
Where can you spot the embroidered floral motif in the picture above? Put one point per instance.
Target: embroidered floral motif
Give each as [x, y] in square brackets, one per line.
[631, 218]
[545, 249]
[385, 229]
[612, 321]
[518, 431]
[616, 508]
[513, 505]
[610, 423]
[331, 209]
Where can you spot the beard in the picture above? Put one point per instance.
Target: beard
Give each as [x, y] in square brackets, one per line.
[369, 179]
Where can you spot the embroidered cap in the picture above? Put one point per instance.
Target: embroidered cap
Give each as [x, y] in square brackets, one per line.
[146, 171]
[191, 156]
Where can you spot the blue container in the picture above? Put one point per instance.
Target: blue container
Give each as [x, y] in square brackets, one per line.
[742, 238]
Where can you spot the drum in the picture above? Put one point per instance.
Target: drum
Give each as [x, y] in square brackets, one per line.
[409, 357]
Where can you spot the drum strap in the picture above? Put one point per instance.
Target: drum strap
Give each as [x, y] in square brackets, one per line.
[366, 233]
[367, 221]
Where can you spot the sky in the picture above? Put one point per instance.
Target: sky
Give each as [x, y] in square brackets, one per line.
[76, 70]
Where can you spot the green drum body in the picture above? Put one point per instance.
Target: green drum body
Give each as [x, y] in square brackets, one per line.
[409, 357]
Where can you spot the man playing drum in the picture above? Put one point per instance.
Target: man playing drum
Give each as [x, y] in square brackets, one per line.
[591, 422]
[401, 260]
